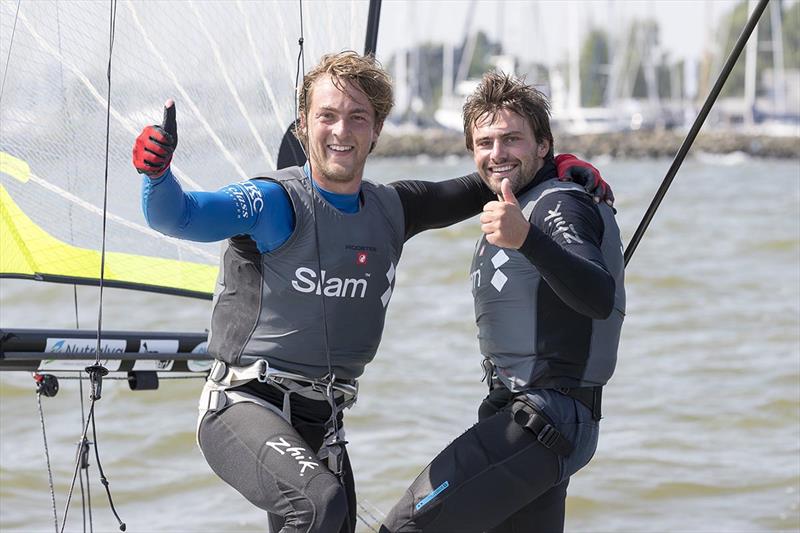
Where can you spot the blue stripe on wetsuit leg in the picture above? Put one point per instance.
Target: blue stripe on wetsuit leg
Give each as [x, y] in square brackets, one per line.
[427, 499]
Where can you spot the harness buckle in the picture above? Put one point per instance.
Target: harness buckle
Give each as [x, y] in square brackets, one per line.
[217, 399]
[263, 369]
[218, 371]
[548, 436]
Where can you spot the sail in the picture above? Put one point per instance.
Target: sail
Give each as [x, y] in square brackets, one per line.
[230, 65]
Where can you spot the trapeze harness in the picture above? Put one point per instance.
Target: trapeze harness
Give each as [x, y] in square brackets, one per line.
[580, 353]
[269, 320]
[340, 395]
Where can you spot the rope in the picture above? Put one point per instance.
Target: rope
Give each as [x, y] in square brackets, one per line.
[10, 46]
[97, 371]
[47, 459]
[695, 129]
[375, 520]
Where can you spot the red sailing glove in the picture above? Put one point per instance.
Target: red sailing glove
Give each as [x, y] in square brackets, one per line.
[152, 151]
[570, 168]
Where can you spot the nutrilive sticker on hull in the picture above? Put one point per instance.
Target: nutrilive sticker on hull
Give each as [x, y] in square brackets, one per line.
[86, 347]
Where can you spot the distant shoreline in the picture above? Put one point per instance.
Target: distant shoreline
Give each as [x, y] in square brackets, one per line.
[632, 144]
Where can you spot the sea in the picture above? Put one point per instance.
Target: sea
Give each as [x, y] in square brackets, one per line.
[701, 427]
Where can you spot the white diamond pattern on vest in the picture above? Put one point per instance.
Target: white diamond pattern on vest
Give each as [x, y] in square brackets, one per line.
[499, 279]
[388, 293]
[499, 259]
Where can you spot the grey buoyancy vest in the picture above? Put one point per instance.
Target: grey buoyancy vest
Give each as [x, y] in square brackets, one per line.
[271, 305]
[530, 335]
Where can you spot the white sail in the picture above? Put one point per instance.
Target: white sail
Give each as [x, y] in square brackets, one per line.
[230, 65]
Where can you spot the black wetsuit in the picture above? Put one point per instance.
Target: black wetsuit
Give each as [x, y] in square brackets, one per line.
[549, 318]
[270, 475]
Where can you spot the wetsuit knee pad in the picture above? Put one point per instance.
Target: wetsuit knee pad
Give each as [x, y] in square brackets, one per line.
[332, 510]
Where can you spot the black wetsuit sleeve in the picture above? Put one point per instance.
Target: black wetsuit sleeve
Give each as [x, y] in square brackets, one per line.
[428, 204]
[564, 245]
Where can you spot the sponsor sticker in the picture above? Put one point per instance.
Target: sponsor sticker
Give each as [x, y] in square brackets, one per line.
[361, 258]
[202, 365]
[169, 346]
[87, 347]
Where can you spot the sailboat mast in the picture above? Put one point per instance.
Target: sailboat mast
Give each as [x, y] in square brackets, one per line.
[373, 22]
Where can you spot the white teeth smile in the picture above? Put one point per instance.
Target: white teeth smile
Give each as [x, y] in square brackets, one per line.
[339, 148]
[504, 168]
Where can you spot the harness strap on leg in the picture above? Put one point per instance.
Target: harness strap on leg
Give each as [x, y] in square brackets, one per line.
[529, 418]
[287, 406]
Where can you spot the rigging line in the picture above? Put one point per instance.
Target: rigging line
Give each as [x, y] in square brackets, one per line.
[374, 508]
[301, 65]
[97, 371]
[103, 478]
[260, 65]
[695, 129]
[375, 519]
[10, 46]
[82, 457]
[370, 526]
[126, 123]
[105, 186]
[186, 99]
[85, 489]
[47, 459]
[77, 468]
[91, 208]
[223, 71]
[331, 400]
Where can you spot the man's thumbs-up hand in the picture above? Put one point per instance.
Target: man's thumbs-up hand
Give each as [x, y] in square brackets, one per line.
[152, 151]
[502, 221]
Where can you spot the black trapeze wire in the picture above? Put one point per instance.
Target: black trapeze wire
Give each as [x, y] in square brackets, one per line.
[301, 67]
[695, 129]
[8, 56]
[81, 450]
[47, 459]
[97, 371]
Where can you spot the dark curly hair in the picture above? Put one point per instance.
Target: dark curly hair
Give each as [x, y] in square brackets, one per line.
[497, 91]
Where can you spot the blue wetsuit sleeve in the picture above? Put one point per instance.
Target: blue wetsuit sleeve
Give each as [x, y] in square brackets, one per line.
[259, 209]
[563, 243]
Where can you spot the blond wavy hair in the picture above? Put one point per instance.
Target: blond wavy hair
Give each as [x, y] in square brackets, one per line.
[365, 72]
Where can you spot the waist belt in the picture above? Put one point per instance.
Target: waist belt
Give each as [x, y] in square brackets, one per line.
[312, 388]
[340, 395]
[591, 397]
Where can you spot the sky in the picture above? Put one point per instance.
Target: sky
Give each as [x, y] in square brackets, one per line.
[541, 30]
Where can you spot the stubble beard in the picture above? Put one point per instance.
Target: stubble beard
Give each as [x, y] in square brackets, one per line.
[520, 179]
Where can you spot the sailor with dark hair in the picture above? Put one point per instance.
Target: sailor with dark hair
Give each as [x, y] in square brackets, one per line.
[308, 252]
[547, 280]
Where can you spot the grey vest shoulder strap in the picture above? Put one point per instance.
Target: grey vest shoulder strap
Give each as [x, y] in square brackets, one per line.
[529, 200]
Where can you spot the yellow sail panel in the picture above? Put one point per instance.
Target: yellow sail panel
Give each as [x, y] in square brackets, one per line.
[14, 167]
[26, 250]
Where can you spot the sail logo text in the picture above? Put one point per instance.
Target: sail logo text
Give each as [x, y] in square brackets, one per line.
[308, 281]
[282, 446]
